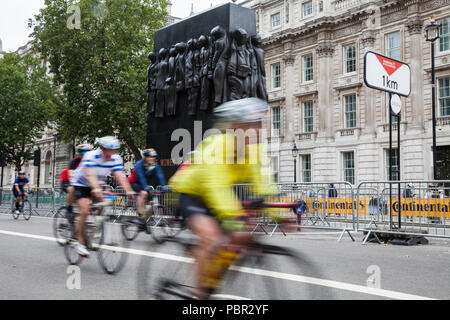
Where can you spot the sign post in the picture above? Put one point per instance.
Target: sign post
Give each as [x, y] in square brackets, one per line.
[392, 76]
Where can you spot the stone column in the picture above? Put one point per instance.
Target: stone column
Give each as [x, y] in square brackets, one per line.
[289, 60]
[416, 40]
[324, 78]
[367, 44]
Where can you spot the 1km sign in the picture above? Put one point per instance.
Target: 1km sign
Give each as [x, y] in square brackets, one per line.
[387, 74]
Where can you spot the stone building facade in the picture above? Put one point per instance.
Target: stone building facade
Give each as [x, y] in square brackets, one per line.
[315, 78]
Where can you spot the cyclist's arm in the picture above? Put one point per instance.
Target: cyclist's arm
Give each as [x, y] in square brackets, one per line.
[140, 172]
[160, 175]
[122, 180]
[91, 177]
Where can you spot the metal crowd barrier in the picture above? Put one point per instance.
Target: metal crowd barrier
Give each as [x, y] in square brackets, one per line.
[419, 208]
[324, 205]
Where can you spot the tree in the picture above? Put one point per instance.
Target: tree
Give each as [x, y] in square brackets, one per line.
[100, 65]
[27, 101]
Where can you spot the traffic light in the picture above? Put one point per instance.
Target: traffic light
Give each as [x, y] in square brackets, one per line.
[3, 162]
[37, 158]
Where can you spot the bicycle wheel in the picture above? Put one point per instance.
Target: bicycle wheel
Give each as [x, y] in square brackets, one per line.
[159, 272]
[255, 276]
[15, 213]
[130, 229]
[26, 210]
[273, 273]
[61, 226]
[71, 253]
[112, 254]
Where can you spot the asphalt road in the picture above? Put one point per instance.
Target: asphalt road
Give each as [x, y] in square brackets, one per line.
[33, 266]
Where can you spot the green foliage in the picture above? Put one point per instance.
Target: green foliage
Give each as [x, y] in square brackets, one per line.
[26, 103]
[100, 67]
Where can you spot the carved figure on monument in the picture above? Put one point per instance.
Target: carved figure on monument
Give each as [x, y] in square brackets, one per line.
[171, 84]
[261, 90]
[151, 82]
[254, 67]
[205, 62]
[180, 66]
[161, 85]
[239, 71]
[191, 76]
[219, 64]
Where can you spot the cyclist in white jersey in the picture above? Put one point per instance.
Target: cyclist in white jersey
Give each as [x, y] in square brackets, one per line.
[90, 176]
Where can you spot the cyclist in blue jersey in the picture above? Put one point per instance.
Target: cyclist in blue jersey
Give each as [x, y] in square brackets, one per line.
[90, 176]
[18, 188]
[145, 170]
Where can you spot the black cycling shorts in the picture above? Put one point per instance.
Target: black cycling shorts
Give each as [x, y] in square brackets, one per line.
[16, 194]
[190, 206]
[65, 185]
[82, 192]
[136, 187]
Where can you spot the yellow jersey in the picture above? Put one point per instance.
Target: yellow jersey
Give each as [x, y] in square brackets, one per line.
[217, 167]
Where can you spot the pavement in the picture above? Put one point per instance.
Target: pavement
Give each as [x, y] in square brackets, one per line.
[33, 267]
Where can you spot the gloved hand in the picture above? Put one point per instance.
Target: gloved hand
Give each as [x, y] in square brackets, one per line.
[257, 204]
[232, 225]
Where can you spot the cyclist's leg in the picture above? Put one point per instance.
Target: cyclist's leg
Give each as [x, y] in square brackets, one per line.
[70, 197]
[82, 196]
[141, 201]
[17, 196]
[210, 236]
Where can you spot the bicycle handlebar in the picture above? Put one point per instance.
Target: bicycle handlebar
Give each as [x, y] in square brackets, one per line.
[249, 205]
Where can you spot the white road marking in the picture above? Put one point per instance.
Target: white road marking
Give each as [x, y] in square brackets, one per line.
[279, 275]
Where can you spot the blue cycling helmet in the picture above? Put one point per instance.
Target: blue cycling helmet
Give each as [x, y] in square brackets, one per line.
[111, 143]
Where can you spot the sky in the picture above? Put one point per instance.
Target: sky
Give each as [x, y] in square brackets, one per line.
[14, 15]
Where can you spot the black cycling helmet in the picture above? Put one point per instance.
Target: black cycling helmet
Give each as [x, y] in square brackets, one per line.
[150, 153]
[83, 148]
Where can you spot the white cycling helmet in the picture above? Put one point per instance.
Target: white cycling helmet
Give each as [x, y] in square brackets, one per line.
[242, 111]
[83, 148]
[111, 143]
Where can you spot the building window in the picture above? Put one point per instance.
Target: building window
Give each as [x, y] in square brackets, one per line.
[276, 20]
[306, 168]
[394, 161]
[349, 166]
[276, 76]
[308, 68]
[444, 97]
[307, 9]
[276, 122]
[444, 34]
[350, 58]
[274, 165]
[350, 111]
[308, 117]
[393, 45]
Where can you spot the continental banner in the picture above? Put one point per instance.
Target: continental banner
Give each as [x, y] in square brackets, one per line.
[346, 206]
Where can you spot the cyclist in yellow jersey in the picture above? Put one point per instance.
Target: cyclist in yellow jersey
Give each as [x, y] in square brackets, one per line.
[207, 199]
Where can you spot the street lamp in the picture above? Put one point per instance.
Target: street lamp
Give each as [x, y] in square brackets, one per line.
[294, 155]
[55, 138]
[431, 35]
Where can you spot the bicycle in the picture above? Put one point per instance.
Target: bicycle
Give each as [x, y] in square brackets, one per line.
[62, 228]
[24, 208]
[102, 236]
[160, 223]
[241, 272]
